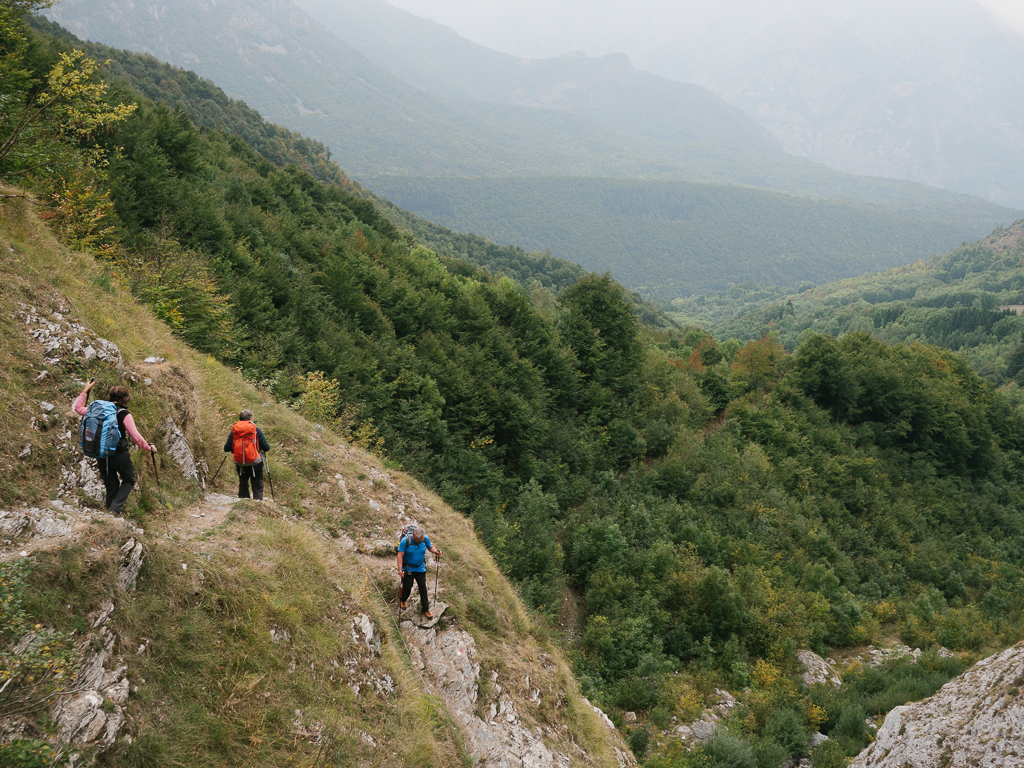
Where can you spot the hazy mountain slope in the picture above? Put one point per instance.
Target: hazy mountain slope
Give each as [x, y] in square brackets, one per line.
[483, 113]
[297, 74]
[680, 122]
[672, 238]
[953, 300]
[920, 90]
[917, 90]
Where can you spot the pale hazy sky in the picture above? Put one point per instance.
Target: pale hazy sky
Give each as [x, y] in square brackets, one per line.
[1011, 11]
[493, 22]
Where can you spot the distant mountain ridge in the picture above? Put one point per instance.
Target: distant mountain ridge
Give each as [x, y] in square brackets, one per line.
[925, 90]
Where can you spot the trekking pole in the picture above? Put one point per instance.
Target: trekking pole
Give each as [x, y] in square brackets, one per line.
[219, 469]
[266, 465]
[437, 572]
[155, 470]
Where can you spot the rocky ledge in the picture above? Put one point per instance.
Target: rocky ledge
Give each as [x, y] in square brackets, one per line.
[975, 720]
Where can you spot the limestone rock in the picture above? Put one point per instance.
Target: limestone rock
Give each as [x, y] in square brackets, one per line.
[422, 621]
[131, 563]
[817, 670]
[13, 523]
[62, 337]
[504, 740]
[603, 717]
[975, 720]
[177, 448]
[82, 475]
[364, 632]
[703, 731]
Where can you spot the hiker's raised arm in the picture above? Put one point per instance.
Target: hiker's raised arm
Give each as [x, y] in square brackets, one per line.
[133, 433]
[79, 405]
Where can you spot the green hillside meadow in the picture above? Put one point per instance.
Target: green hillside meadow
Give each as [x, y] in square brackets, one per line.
[675, 514]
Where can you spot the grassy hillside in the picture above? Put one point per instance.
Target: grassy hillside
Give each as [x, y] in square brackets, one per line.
[668, 239]
[213, 687]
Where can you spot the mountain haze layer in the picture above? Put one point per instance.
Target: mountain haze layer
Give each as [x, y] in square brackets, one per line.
[918, 90]
[466, 111]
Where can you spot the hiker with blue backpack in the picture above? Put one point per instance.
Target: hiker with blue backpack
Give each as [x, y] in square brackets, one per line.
[412, 562]
[106, 428]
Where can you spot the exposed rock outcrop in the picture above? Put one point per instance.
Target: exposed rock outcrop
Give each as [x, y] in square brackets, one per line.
[975, 720]
[93, 717]
[178, 449]
[817, 670]
[62, 338]
[31, 529]
[447, 660]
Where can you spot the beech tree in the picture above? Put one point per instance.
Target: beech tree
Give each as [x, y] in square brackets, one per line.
[47, 127]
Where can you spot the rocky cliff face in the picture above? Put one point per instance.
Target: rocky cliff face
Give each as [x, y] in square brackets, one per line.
[975, 720]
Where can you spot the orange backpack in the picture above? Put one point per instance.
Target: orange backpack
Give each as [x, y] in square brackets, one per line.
[243, 441]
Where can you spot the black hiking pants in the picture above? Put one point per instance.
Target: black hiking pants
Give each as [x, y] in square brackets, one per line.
[421, 581]
[253, 473]
[118, 474]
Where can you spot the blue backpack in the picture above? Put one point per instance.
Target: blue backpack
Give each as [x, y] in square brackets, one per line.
[100, 434]
[406, 533]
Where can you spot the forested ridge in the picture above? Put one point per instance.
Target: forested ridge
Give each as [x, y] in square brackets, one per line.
[667, 239]
[691, 512]
[962, 300]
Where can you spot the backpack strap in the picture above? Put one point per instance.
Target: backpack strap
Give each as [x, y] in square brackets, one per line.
[122, 413]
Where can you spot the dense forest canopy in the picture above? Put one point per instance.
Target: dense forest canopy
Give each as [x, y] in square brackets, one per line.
[963, 300]
[706, 507]
[667, 239]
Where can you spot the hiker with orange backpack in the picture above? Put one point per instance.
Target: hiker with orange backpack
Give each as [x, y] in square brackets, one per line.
[248, 445]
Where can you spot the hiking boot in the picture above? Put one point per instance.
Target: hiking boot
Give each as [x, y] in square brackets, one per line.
[402, 605]
[428, 615]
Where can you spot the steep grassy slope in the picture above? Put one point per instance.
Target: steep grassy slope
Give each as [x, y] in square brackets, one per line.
[250, 654]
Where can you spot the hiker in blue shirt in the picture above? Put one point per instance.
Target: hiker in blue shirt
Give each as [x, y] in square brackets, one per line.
[412, 562]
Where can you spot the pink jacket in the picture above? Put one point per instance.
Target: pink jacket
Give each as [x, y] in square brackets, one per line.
[129, 423]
